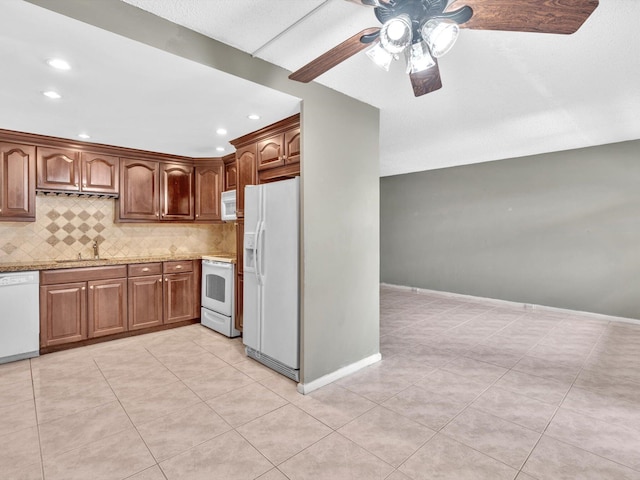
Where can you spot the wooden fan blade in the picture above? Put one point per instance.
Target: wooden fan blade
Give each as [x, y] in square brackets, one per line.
[333, 57]
[426, 81]
[539, 16]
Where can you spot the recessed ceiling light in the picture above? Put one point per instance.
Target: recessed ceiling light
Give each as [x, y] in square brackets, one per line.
[253, 116]
[59, 64]
[221, 131]
[220, 149]
[84, 135]
[52, 94]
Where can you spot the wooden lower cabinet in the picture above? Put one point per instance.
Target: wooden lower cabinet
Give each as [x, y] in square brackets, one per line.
[63, 313]
[178, 297]
[107, 307]
[83, 303]
[145, 302]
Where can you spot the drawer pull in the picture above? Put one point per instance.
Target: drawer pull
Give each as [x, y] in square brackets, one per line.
[145, 269]
[178, 267]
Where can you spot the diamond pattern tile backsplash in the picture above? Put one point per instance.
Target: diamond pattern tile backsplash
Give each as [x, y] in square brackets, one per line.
[67, 226]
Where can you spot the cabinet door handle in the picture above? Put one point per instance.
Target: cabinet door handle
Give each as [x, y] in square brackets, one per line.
[197, 215]
[83, 288]
[77, 184]
[160, 280]
[84, 184]
[166, 279]
[91, 287]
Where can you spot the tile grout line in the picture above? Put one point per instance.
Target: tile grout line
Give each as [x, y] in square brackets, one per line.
[133, 424]
[562, 401]
[35, 409]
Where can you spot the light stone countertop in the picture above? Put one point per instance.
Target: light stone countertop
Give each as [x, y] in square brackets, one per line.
[64, 264]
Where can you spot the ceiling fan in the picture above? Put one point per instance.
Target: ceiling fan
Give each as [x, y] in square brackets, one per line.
[424, 30]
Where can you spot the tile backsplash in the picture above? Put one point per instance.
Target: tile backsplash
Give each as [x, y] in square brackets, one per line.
[66, 226]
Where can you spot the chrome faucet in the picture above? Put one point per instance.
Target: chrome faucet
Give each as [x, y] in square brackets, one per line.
[96, 251]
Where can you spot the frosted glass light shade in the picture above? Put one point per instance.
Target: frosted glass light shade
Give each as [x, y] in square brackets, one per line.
[440, 35]
[396, 34]
[419, 58]
[380, 56]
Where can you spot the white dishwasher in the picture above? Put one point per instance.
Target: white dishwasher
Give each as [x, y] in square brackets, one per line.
[19, 316]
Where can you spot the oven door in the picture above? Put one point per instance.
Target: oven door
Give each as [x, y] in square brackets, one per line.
[217, 286]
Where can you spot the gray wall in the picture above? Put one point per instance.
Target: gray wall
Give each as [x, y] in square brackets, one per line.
[340, 185]
[561, 229]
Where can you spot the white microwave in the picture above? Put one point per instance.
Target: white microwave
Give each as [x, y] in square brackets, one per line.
[228, 203]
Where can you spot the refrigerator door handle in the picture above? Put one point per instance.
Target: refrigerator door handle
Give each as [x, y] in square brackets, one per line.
[258, 253]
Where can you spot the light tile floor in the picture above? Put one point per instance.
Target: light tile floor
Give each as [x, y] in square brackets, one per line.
[466, 390]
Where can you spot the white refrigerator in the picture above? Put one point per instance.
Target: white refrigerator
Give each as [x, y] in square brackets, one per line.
[271, 323]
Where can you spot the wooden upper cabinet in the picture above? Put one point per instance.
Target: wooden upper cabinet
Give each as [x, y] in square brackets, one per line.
[209, 180]
[230, 176]
[279, 150]
[100, 173]
[139, 190]
[17, 182]
[58, 169]
[271, 152]
[246, 174]
[176, 192]
[292, 146]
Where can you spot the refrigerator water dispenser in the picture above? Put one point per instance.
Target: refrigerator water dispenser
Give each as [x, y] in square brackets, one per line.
[249, 251]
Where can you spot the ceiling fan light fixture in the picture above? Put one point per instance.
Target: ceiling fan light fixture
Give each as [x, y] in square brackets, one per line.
[419, 58]
[396, 34]
[380, 56]
[440, 35]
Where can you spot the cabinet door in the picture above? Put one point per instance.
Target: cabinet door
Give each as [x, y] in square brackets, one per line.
[239, 300]
[246, 164]
[107, 307]
[139, 196]
[99, 173]
[145, 302]
[63, 313]
[176, 192]
[292, 146]
[178, 297]
[208, 191]
[230, 176]
[17, 182]
[58, 169]
[270, 152]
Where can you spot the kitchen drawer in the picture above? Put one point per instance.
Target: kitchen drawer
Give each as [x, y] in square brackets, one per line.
[144, 269]
[178, 267]
[84, 274]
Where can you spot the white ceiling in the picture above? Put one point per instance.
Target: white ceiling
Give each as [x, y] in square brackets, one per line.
[119, 91]
[504, 95]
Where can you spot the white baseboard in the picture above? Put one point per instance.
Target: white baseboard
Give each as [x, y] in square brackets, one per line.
[309, 387]
[509, 303]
